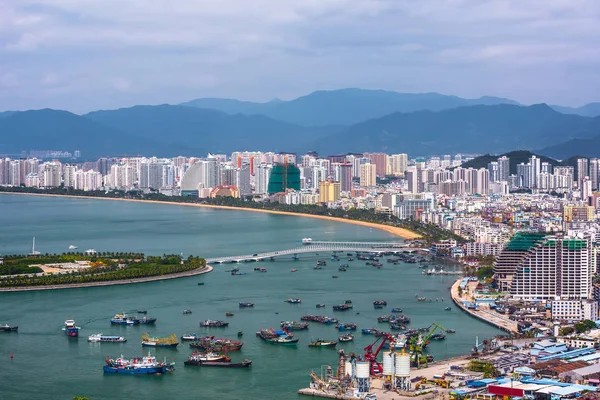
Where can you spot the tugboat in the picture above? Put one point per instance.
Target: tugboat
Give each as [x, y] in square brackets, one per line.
[198, 358]
[214, 324]
[8, 328]
[146, 365]
[293, 301]
[322, 343]
[242, 305]
[170, 341]
[100, 338]
[189, 337]
[346, 338]
[71, 329]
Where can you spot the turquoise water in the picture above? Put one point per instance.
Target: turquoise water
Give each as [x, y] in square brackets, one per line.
[49, 365]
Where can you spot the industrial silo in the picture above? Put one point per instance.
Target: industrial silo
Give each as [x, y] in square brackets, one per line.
[402, 371]
[363, 378]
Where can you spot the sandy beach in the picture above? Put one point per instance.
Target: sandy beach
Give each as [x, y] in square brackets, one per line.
[400, 232]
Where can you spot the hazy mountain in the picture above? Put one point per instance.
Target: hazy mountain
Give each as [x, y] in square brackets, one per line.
[584, 147]
[516, 157]
[588, 110]
[61, 130]
[343, 107]
[476, 129]
[208, 130]
[6, 113]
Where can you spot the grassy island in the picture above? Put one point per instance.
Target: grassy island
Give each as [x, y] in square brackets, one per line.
[79, 268]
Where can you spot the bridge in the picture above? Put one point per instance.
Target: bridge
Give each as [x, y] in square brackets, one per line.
[310, 246]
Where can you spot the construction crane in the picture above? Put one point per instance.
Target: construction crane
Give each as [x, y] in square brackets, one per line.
[419, 342]
[376, 367]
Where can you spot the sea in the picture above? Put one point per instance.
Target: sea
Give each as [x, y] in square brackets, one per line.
[41, 362]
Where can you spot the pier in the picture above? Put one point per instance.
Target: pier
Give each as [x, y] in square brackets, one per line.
[319, 247]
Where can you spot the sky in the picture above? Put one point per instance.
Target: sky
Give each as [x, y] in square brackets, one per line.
[83, 55]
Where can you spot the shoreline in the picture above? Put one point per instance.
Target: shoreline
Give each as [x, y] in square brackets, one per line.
[195, 272]
[400, 232]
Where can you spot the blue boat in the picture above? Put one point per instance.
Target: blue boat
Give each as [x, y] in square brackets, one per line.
[123, 319]
[147, 365]
[346, 327]
[397, 310]
[369, 331]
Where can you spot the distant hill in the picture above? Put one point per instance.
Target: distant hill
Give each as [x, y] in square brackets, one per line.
[516, 157]
[6, 113]
[209, 130]
[584, 147]
[475, 129]
[62, 130]
[588, 110]
[343, 107]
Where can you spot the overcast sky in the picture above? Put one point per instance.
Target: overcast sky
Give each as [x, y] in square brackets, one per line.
[82, 55]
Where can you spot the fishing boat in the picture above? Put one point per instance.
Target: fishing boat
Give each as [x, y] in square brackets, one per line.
[287, 340]
[294, 269]
[240, 333]
[294, 325]
[447, 308]
[242, 305]
[200, 283]
[142, 311]
[346, 327]
[320, 305]
[8, 328]
[380, 303]
[317, 267]
[293, 301]
[421, 298]
[322, 343]
[71, 329]
[243, 364]
[170, 341]
[438, 336]
[350, 259]
[214, 324]
[346, 338]
[187, 311]
[383, 318]
[122, 319]
[229, 314]
[342, 307]
[100, 338]
[342, 269]
[369, 331]
[216, 345]
[321, 262]
[189, 337]
[146, 365]
[260, 269]
[198, 358]
[450, 330]
[397, 310]
[142, 321]
[335, 276]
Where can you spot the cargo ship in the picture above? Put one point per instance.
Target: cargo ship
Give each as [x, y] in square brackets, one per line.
[8, 328]
[100, 338]
[147, 365]
[71, 329]
[170, 341]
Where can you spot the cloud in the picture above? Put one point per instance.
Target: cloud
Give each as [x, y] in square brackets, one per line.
[113, 53]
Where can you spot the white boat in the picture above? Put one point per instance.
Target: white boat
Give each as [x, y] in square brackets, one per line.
[189, 337]
[72, 247]
[98, 337]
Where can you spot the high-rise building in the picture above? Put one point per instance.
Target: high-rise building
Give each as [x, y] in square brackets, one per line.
[263, 173]
[357, 162]
[243, 179]
[534, 170]
[329, 191]
[380, 161]
[503, 168]
[582, 170]
[493, 167]
[412, 179]
[368, 175]
[399, 164]
[283, 177]
[345, 177]
[594, 168]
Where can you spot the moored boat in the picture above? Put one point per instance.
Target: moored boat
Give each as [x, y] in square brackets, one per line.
[294, 325]
[287, 340]
[293, 301]
[243, 364]
[216, 345]
[346, 338]
[100, 338]
[8, 328]
[147, 365]
[122, 319]
[189, 337]
[321, 305]
[229, 314]
[170, 341]
[383, 318]
[369, 331]
[397, 310]
[214, 324]
[242, 305]
[71, 329]
[342, 307]
[198, 358]
[322, 343]
[187, 311]
[346, 327]
[143, 321]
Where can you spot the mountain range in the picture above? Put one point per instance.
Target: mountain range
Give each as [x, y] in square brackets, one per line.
[349, 120]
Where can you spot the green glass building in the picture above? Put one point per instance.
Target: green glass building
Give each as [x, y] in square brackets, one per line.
[284, 176]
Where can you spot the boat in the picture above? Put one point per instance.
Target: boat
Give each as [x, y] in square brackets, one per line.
[71, 329]
[146, 365]
[378, 306]
[8, 328]
[335, 276]
[260, 269]
[383, 318]
[350, 259]
[198, 358]
[187, 311]
[143, 321]
[450, 330]
[72, 247]
[380, 303]
[421, 298]
[346, 327]
[287, 340]
[170, 341]
[342, 269]
[293, 301]
[322, 343]
[320, 305]
[317, 267]
[240, 333]
[229, 314]
[438, 336]
[294, 325]
[294, 269]
[189, 337]
[100, 338]
[242, 305]
[397, 310]
[320, 319]
[210, 343]
[200, 283]
[342, 307]
[214, 324]
[321, 262]
[370, 331]
[142, 311]
[447, 308]
[346, 338]
[243, 364]
[122, 319]
[236, 273]
[267, 334]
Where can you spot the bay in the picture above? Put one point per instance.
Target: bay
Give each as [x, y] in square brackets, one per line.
[49, 365]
